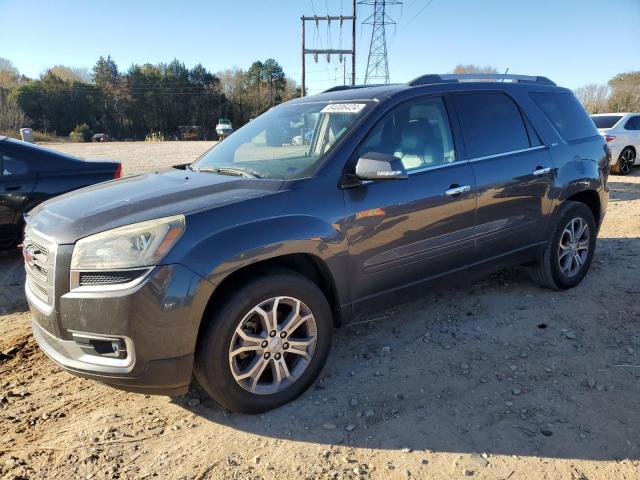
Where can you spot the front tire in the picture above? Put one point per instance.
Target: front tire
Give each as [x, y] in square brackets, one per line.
[625, 162]
[568, 254]
[266, 344]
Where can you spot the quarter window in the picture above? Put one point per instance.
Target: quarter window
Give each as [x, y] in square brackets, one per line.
[566, 114]
[418, 133]
[491, 124]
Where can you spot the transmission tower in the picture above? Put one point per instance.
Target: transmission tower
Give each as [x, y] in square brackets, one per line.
[377, 63]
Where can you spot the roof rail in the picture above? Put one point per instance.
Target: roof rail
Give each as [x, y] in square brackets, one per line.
[461, 77]
[337, 88]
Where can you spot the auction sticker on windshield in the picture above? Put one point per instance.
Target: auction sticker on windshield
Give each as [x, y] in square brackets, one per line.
[343, 108]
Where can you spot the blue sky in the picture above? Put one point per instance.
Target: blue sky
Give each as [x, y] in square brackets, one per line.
[570, 41]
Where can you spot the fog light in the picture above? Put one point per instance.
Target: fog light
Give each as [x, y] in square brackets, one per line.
[101, 346]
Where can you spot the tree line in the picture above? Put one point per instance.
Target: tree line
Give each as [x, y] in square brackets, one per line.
[141, 100]
[620, 94]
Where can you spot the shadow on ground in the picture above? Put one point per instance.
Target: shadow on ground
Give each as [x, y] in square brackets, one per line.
[12, 278]
[501, 366]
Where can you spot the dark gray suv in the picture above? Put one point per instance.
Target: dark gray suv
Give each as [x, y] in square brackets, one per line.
[238, 267]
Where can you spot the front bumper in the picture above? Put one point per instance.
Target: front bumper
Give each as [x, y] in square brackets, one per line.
[156, 322]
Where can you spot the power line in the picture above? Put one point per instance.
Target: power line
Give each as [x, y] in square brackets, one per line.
[378, 62]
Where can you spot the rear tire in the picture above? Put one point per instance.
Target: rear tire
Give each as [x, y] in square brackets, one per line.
[567, 256]
[625, 162]
[243, 323]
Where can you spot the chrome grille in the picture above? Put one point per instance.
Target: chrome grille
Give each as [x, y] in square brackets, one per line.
[39, 263]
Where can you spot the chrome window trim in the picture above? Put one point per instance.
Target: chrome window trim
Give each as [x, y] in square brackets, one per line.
[504, 154]
[75, 287]
[435, 167]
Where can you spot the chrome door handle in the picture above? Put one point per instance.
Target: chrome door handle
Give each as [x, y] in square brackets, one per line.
[457, 190]
[541, 171]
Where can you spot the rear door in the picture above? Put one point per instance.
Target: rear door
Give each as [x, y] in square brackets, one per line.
[402, 232]
[513, 173]
[17, 181]
[633, 128]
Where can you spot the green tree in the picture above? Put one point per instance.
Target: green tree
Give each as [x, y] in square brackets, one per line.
[625, 92]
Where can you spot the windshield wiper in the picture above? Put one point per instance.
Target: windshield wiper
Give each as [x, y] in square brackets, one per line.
[240, 172]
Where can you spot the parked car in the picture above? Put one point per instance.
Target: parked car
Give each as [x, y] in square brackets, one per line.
[30, 174]
[238, 267]
[622, 133]
[100, 137]
[224, 128]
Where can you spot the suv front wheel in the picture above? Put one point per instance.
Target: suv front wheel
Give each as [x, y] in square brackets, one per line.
[266, 344]
[568, 255]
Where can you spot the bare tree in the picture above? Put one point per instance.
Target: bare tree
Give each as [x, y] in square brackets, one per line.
[11, 115]
[70, 74]
[474, 69]
[594, 97]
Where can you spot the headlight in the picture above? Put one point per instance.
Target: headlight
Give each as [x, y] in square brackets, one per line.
[137, 245]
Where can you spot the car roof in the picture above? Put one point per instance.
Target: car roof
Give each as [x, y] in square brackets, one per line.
[440, 83]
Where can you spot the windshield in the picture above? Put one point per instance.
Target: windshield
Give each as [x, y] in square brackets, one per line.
[286, 142]
[606, 121]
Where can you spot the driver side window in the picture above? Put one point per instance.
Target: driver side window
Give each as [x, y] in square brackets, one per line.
[418, 133]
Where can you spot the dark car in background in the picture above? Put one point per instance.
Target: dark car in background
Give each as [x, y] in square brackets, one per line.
[30, 174]
[238, 267]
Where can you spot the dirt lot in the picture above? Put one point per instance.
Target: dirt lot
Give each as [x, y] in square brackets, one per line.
[497, 380]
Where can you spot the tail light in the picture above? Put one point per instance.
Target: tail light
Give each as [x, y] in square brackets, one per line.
[118, 173]
[609, 138]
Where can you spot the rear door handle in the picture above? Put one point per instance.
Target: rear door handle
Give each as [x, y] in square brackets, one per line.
[456, 190]
[541, 171]
[12, 188]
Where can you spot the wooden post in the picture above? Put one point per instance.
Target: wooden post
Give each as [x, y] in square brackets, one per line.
[353, 45]
[303, 63]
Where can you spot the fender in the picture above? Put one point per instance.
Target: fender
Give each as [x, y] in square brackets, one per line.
[577, 176]
[226, 251]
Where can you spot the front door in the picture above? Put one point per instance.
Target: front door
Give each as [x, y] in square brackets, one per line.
[403, 232]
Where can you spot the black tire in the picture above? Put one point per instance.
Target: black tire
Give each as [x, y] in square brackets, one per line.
[625, 162]
[547, 271]
[212, 364]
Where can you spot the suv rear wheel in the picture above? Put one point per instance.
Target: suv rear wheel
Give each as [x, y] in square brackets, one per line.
[568, 255]
[625, 162]
[266, 344]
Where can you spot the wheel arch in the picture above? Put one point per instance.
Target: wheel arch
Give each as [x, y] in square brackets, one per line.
[305, 264]
[591, 199]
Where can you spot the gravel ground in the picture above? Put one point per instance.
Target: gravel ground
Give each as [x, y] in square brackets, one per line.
[137, 157]
[495, 380]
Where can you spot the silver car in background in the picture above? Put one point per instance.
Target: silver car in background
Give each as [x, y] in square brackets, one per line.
[622, 133]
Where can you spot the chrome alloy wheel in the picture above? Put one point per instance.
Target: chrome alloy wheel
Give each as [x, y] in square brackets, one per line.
[273, 345]
[574, 247]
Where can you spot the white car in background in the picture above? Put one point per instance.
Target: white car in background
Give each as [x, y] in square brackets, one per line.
[622, 133]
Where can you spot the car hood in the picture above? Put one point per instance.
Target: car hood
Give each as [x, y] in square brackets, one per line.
[142, 197]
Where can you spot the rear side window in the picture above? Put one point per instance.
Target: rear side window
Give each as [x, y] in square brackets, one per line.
[492, 124]
[12, 166]
[633, 124]
[566, 114]
[605, 121]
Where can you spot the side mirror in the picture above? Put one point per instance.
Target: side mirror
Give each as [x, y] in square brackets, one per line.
[380, 166]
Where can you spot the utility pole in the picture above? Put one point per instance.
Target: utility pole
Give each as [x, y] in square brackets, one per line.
[329, 51]
[377, 63]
